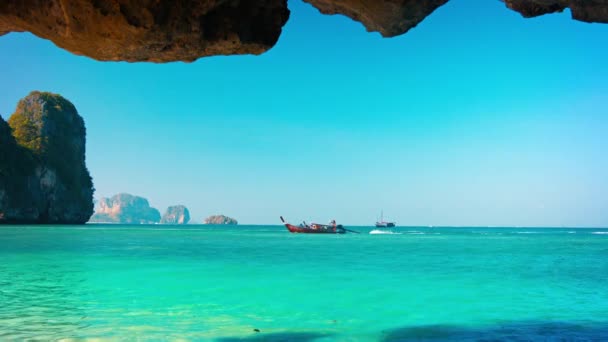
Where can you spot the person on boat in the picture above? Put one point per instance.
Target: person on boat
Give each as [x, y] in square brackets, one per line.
[333, 223]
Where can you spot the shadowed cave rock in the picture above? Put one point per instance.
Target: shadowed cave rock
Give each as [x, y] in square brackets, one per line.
[149, 30]
[185, 30]
[591, 11]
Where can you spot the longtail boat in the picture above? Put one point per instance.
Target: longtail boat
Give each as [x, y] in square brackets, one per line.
[315, 228]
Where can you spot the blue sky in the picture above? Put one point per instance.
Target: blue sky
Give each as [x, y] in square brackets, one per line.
[475, 117]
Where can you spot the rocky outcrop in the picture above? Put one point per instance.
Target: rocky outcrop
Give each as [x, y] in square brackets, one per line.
[220, 219]
[145, 30]
[184, 30]
[584, 10]
[125, 209]
[389, 17]
[15, 171]
[43, 176]
[177, 214]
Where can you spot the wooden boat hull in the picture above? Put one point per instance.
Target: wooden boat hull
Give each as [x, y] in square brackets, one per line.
[320, 230]
[385, 224]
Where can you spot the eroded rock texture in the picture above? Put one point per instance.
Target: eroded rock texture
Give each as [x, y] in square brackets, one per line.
[395, 17]
[184, 30]
[125, 209]
[220, 219]
[150, 30]
[176, 214]
[389, 17]
[583, 10]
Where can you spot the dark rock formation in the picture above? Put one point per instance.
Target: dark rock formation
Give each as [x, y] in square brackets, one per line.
[220, 219]
[126, 209]
[389, 17]
[177, 214]
[395, 17]
[184, 30]
[584, 10]
[43, 176]
[16, 168]
[150, 30]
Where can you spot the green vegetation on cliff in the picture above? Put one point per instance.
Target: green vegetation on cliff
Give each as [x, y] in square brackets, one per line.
[43, 176]
[48, 125]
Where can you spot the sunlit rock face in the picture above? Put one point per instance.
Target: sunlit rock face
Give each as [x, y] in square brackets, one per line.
[184, 30]
[126, 209]
[150, 30]
[390, 18]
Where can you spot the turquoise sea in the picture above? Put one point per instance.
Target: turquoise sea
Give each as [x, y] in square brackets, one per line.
[220, 283]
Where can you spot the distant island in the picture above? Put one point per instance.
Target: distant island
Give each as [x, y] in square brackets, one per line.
[43, 176]
[220, 219]
[177, 214]
[126, 209]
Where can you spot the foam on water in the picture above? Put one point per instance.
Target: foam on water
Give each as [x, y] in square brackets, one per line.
[221, 283]
[384, 232]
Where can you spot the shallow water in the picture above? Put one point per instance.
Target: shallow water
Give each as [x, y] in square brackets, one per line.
[221, 283]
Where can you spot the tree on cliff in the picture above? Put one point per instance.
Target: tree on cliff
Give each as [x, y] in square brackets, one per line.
[43, 176]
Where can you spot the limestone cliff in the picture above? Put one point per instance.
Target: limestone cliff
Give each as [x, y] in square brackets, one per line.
[177, 214]
[184, 30]
[43, 176]
[125, 209]
[220, 219]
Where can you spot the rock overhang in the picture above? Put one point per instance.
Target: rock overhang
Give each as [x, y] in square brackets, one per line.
[185, 30]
